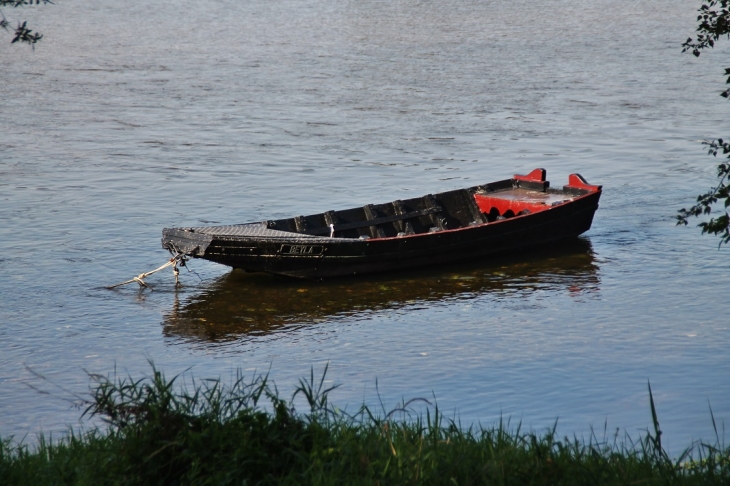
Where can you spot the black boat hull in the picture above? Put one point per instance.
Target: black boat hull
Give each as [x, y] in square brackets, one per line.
[258, 247]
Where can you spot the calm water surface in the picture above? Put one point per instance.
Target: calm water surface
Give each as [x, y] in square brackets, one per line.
[131, 117]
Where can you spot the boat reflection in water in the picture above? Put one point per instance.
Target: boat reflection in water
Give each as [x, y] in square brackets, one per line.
[243, 305]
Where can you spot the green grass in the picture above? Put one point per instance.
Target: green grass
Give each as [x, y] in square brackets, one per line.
[167, 431]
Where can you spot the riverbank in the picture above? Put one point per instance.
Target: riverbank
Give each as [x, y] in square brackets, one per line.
[182, 431]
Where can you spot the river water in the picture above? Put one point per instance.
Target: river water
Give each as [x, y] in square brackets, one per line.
[129, 117]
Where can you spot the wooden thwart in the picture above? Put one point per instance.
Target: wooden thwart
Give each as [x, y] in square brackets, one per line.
[371, 216]
[329, 219]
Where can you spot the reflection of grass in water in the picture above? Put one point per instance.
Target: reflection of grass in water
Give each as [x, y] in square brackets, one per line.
[186, 432]
[242, 303]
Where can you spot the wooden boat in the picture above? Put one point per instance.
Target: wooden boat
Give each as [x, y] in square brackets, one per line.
[475, 222]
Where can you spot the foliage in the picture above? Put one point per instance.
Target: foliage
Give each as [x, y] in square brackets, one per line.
[164, 431]
[22, 32]
[721, 224]
[713, 23]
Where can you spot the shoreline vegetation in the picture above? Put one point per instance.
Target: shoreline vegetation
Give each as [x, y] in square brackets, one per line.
[183, 431]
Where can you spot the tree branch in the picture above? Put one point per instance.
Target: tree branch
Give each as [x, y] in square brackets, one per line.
[713, 23]
[22, 32]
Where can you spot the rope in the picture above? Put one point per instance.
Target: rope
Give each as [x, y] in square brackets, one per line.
[178, 258]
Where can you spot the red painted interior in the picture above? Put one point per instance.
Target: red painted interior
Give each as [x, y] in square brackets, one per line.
[503, 204]
[537, 175]
[486, 203]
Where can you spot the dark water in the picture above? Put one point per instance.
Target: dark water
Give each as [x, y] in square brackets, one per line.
[131, 117]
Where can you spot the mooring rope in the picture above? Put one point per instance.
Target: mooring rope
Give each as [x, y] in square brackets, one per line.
[178, 258]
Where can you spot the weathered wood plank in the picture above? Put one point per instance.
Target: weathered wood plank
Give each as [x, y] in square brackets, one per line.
[371, 216]
[360, 224]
